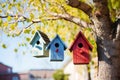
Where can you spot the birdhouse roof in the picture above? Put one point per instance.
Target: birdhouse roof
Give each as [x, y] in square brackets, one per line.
[80, 34]
[57, 37]
[41, 34]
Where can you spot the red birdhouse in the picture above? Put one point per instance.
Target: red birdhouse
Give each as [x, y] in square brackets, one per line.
[81, 48]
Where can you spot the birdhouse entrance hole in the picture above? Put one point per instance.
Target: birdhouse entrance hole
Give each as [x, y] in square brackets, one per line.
[38, 42]
[80, 45]
[56, 45]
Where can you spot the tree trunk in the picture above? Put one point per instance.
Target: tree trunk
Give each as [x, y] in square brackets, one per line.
[109, 59]
[108, 42]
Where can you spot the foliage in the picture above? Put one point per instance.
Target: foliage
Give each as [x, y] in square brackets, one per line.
[114, 7]
[20, 14]
[59, 75]
[4, 46]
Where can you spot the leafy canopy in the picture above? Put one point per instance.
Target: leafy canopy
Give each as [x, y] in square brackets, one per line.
[25, 17]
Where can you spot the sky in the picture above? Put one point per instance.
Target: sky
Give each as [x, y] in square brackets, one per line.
[23, 60]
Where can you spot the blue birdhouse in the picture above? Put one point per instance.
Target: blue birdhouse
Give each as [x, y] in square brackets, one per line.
[56, 49]
[39, 43]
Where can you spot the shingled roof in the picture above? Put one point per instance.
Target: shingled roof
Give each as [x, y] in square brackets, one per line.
[41, 34]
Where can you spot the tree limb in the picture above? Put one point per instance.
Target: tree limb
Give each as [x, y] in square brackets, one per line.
[81, 5]
[64, 16]
[25, 28]
[32, 22]
[67, 16]
[7, 16]
[71, 18]
[36, 21]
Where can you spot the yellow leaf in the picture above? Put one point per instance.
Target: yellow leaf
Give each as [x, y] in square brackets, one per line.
[5, 24]
[8, 18]
[31, 16]
[27, 39]
[0, 11]
[33, 31]
[37, 27]
[12, 27]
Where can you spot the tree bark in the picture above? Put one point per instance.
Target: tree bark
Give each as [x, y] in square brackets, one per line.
[108, 45]
[109, 59]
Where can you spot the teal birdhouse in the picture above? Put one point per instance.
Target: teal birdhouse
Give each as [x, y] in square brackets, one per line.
[39, 43]
[56, 49]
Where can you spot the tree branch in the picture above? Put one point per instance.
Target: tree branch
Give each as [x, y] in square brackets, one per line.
[81, 5]
[32, 22]
[36, 21]
[71, 18]
[7, 16]
[25, 28]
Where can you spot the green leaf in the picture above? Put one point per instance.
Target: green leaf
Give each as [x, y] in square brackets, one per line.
[92, 42]
[0, 11]
[33, 32]
[14, 0]
[4, 46]
[31, 16]
[9, 6]
[28, 20]
[27, 39]
[15, 50]
[27, 31]
[5, 24]
[3, 5]
[19, 8]
[1, 22]
[12, 26]
[115, 4]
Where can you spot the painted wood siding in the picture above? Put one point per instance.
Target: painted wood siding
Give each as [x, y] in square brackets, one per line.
[38, 48]
[57, 55]
[81, 55]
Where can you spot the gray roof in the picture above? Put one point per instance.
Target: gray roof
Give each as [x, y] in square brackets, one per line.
[41, 34]
[44, 36]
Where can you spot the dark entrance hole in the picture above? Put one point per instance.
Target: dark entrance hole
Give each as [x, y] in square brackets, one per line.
[80, 45]
[38, 42]
[56, 45]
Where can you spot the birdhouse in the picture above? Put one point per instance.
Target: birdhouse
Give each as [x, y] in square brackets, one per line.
[56, 49]
[80, 49]
[39, 43]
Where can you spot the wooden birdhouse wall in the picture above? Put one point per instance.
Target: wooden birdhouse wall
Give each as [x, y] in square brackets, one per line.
[56, 50]
[38, 47]
[81, 52]
[36, 38]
